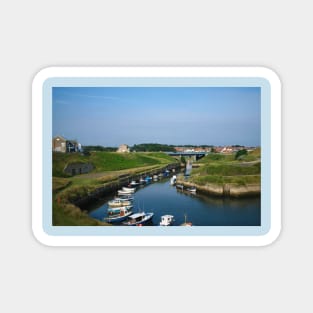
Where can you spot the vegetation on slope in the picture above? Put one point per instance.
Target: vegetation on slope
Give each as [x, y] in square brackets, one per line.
[226, 169]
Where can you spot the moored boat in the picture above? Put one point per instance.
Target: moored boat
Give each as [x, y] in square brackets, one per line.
[138, 219]
[134, 183]
[186, 223]
[116, 216]
[167, 220]
[191, 189]
[131, 190]
[155, 177]
[124, 192]
[173, 180]
[119, 203]
[181, 187]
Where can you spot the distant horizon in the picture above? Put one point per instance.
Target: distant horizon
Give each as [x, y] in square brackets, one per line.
[158, 143]
[111, 116]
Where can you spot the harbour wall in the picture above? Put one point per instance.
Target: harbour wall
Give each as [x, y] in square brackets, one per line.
[226, 190]
[118, 183]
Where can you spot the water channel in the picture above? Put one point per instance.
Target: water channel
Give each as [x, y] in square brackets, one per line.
[201, 210]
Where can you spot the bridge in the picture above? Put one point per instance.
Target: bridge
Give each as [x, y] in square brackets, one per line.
[195, 155]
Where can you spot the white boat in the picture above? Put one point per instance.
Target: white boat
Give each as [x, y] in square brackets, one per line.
[167, 220]
[138, 219]
[127, 197]
[116, 216]
[155, 177]
[191, 189]
[116, 210]
[119, 203]
[132, 190]
[173, 180]
[142, 181]
[124, 192]
[134, 183]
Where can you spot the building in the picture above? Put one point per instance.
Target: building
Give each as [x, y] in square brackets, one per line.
[78, 168]
[60, 144]
[123, 149]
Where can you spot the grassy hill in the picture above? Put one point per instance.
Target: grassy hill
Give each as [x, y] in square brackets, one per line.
[109, 161]
[224, 169]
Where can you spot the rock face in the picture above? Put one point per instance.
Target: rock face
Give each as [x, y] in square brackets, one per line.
[226, 190]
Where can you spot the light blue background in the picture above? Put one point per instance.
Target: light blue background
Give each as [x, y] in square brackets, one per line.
[156, 231]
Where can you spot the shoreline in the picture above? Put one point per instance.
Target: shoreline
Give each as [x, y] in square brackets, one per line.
[225, 190]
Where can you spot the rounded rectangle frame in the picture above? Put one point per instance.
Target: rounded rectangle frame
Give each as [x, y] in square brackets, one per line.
[261, 77]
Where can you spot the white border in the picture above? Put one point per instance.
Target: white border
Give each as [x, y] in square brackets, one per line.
[233, 72]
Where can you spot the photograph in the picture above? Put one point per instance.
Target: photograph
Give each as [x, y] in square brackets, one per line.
[156, 156]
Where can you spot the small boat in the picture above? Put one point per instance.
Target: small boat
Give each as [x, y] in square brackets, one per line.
[148, 179]
[160, 175]
[124, 192]
[116, 210]
[134, 183]
[132, 190]
[181, 187]
[119, 203]
[186, 223]
[155, 177]
[166, 220]
[173, 180]
[138, 219]
[127, 197]
[191, 189]
[118, 216]
[142, 181]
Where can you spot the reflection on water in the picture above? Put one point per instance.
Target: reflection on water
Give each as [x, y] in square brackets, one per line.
[161, 198]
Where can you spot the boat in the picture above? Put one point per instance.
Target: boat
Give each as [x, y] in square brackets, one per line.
[142, 181]
[167, 220]
[116, 210]
[131, 190]
[148, 179]
[186, 223]
[191, 189]
[119, 203]
[134, 183]
[138, 219]
[181, 187]
[126, 197]
[155, 178]
[173, 180]
[124, 192]
[160, 175]
[116, 216]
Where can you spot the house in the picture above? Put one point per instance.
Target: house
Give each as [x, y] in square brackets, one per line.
[123, 149]
[60, 144]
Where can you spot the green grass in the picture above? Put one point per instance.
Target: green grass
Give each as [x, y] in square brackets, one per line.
[70, 215]
[108, 167]
[109, 161]
[224, 169]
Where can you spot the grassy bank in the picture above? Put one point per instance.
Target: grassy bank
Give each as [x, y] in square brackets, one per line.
[109, 168]
[224, 169]
[108, 161]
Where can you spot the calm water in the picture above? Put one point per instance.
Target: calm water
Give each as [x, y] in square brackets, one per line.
[161, 198]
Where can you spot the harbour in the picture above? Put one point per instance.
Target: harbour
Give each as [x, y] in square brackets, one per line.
[161, 198]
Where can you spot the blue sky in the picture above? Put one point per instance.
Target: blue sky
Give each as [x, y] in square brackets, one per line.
[110, 116]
